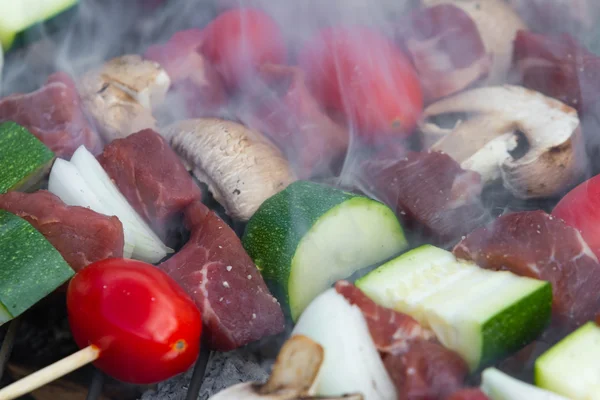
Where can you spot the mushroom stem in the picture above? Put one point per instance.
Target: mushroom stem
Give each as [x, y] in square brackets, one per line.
[294, 374]
[502, 120]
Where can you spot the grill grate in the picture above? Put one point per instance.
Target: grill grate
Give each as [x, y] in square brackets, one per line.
[96, 385]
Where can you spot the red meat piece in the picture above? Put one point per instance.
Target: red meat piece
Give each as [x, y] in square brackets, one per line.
[429, 189]
[446, 49]
[538, 245]
[54, 115]
[150, 175]
[427, 371]
[80, 235]
[193, 78]
[391, 331]
[559, 67]
[216, 271]
[283, 108]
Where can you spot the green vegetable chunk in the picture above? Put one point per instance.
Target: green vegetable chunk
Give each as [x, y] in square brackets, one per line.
[309, 235]
[30, 267]
[572, 366]
[24, 160]
[483, 315]
[19, 15]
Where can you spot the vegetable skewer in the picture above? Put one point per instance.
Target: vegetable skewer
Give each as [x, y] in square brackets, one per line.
[155, 337]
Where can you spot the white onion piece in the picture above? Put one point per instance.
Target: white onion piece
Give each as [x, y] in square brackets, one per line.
[148, 246]
[352, 363]
[67, 183]
[499, 386]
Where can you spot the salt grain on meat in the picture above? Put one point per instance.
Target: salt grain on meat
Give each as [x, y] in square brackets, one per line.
[236, 310]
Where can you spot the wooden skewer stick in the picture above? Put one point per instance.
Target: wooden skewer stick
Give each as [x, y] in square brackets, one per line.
[50, 373]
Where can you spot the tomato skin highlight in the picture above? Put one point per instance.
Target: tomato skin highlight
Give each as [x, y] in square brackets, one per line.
[146, 327]
[239, 41]
[580, 208]
[363, 75]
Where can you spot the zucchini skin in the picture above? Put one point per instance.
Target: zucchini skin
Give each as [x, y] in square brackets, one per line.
[23, 157]
[273, 233]
[533, 312]
[31, 267]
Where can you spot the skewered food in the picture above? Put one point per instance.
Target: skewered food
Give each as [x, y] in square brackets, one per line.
[239, 41]
[361, 74]
[241, 167]
[428, 190]
[121, 94]
[541, 246]
[194, 80]
[214, 269]
[571, 367]
[498, 25]
[18, 17]
[80, 235]
[500, 386]
[309, 235]
[54, 114]
[31, 267]
[530, 141]
[351, 361]
[296, 368]
[83, 182]
[452, 298]
[24, 159]
[146, 328]
[435, 39]
[282, 106]
[579, 209]
[151, 177]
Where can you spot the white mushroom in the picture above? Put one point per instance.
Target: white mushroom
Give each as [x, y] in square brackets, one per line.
[293, 376]
[531, 141]
[121, 94]
[498, 24]
[241, 167]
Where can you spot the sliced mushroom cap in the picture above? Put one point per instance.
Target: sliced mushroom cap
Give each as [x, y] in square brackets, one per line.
[120, 95]
[531, 141]
[293, 376]
[241, 167]
[498, 25]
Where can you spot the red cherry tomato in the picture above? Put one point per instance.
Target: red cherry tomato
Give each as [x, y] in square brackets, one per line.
[146, 327]
[361, 74]
[239, 41]
[580, 208]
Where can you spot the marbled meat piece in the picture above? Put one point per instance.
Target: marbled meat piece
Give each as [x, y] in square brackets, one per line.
[80, 235]
[429, 189]
[558, 66]
[426, 371]
[538, 245]
[391, 331]
[213, 267]
[282, 107]
[446, 49]
[194, 79]
[151, 176]
[54, 115]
